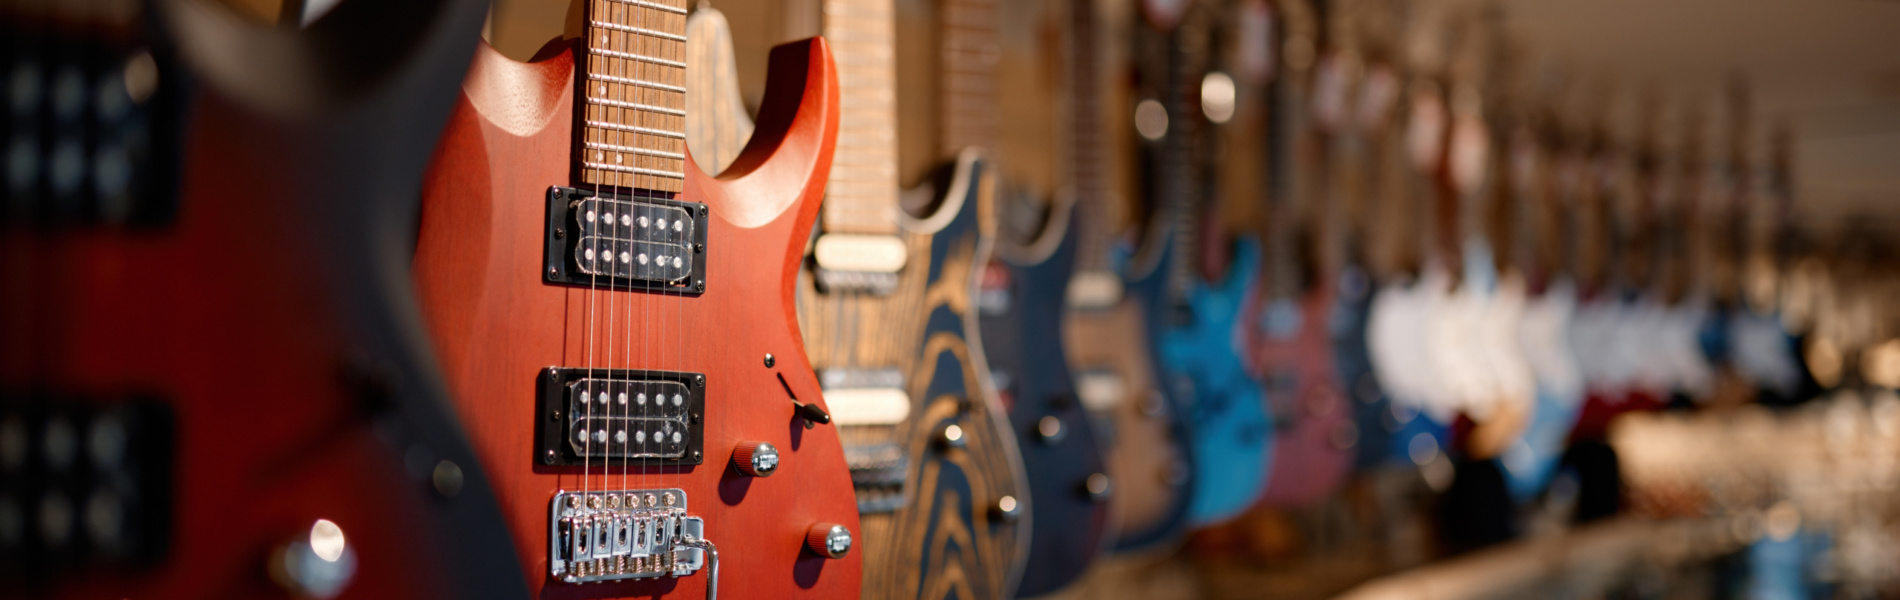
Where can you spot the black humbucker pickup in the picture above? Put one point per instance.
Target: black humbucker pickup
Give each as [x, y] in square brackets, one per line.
[620, 241]
[625, 417]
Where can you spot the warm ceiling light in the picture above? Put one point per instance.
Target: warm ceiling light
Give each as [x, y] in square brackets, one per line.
[1217, 97]
[1151, 120]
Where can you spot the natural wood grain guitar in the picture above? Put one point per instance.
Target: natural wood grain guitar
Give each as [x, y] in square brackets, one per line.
[888, 307]
[620, 327]
[214, 383]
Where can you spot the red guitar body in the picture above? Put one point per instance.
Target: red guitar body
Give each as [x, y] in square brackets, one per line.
[1313, 452]
[496, 324]
[247, 346]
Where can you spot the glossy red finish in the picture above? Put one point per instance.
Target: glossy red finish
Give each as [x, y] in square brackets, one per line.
[496, 324]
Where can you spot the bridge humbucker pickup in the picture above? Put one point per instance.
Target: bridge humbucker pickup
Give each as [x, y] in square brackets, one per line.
[647, 241]
[600, 415]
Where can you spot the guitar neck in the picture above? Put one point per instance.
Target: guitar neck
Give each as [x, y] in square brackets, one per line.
[969, 55]
[634, 129]
[861, 196]
[1085, 139]
[1180, 180]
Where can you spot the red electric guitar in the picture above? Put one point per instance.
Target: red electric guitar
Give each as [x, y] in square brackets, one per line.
[619, 326]
[212, 383]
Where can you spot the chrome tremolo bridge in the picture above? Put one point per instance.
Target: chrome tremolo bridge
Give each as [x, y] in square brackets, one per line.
[628, 534]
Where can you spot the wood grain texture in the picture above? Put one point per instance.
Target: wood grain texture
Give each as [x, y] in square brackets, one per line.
[945, 541]
[1023, 340]
[717, 125]
[496, 325]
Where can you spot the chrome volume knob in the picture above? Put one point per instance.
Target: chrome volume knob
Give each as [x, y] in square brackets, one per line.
[758, 459]
[829, 540]
[317, 565]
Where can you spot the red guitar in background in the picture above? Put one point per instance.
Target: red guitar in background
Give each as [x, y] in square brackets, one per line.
[212, 384]
[619, 326]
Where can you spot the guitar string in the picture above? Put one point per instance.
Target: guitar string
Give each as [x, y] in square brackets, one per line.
[587, 400]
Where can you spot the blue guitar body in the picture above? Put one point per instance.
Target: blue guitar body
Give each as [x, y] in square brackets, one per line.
[1232, 436]
[1021, 306]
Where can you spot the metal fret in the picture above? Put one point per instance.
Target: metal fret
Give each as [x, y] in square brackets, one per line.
[633, 170]
[636, 82]
[636, 106]
[635, 56]
[638, 30]
[654, 6]
[678, 135]
[634, 150]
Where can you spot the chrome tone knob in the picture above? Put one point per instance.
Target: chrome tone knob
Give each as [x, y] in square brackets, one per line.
[1049, 429]
[1096, 487]
[951, 436]
[317, 565]
[1006, 509]
[1152, 404]
[758, 459]
[829, 540]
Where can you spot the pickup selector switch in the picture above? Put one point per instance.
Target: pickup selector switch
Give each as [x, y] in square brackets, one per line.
[758, 459]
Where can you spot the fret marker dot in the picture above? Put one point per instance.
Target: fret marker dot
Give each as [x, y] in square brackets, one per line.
[603, 89]
[619, 159]
[600, 156]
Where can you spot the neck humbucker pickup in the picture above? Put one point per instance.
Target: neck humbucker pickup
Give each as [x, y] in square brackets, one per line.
[627, 534]
[640, 241]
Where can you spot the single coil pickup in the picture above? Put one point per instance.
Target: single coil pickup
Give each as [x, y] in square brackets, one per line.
[645, 240]
[590, 414]
[880, 377]
[629, 220]
[623, 437]
[623, 534]
[646, 261]
[856, 282]
[600, 396]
